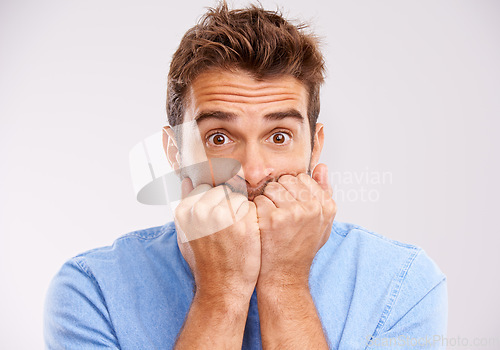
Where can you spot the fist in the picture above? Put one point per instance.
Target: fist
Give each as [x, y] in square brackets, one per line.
[295, 218]
[218, 235]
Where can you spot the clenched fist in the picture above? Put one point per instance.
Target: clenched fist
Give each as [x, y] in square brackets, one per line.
[295, 216]
[218, 235]
[232, 244]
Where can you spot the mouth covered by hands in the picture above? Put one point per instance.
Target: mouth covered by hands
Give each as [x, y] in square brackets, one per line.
[232, 244]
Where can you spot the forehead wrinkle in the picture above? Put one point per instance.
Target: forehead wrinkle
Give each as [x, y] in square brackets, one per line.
[218, 90]
[244, 93]
[227, 79]
[226, 84]
[252, 86]
[277, 88]
[245, 100]
[223, 92]
[244, 96]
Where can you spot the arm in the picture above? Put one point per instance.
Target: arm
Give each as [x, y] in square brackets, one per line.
[75, 315]
[295, 218]
[288, 319]
[213, 324]
[225, 277]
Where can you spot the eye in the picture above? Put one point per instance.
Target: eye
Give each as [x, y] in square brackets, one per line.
[280, 138]
[218, 139]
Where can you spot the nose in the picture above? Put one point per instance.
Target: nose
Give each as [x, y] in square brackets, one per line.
[254, 166]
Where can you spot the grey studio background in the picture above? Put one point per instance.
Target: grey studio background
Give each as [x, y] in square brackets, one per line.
[410, 108]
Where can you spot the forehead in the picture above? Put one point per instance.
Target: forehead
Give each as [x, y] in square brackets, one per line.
[241, 94]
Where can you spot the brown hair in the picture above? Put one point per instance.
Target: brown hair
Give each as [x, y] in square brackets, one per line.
[260, 42]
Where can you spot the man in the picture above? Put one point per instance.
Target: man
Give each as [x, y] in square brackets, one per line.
[255, 260]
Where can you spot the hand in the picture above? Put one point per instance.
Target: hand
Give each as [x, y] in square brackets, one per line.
[221, 241]
[295, 218]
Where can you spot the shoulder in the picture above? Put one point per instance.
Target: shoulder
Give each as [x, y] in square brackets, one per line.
[93, 285]
[350, 231]
[384, 284]
[372, 249]
[377, 262]
[400, 274]
[134, 244]
[129, 256]
[384, 288]
[131, 242]
[131, 248]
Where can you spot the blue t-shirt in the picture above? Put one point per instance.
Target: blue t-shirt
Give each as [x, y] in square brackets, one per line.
[136, 294]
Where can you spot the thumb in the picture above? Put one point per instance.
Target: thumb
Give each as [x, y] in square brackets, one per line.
[186, 187]
[320, 175]
[252, 209]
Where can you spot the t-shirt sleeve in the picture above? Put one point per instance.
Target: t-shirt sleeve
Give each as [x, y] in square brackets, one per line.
[417, 315]
[75, 315]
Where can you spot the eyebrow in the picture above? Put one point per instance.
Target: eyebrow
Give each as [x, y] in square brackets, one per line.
[227, 116]
[219, 115]
[291, 113]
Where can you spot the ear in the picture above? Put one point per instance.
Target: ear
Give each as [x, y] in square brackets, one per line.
[170, 147]
[319, 139]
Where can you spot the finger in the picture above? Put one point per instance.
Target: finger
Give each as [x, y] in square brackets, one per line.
[211, 218]
[320, 175]
[231, 204]
[213, 197]
[247, 208]
[264, 206]
[279, 195]
[194, 195]
[315, 189]
[186, 187]
[296, 188]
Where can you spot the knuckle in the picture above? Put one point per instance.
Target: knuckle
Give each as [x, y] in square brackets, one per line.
[236, 196]
[220, 213]
[286, 179]
[304, 177]
[181, 212]
[235, 200]
[204, 188]
[298, 212]
[316, 207]
[331, 206]
[222, 188]
[325, 237]
[303, 194]
[257, 200]
[313, 207]
[272, 186]
[200, 208]
[277, 218]
[244, 210]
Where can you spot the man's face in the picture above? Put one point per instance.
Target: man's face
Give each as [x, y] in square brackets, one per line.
[261, 124]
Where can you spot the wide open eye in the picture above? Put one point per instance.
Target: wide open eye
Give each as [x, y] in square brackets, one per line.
[279, 138]
[218, 139]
